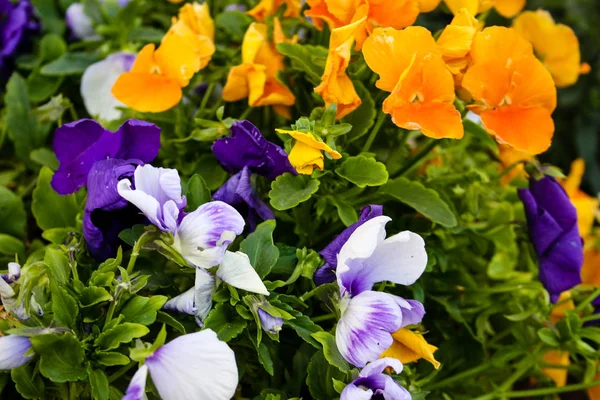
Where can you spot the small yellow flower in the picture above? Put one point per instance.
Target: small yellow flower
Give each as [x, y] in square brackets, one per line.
[586, 205]
[307, 152]
[506, 8]
[557, 357]
[409, 346]
[270, 7]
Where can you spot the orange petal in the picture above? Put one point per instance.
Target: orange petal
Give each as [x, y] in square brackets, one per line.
[434, 120]
[527, 129]
[509, 8]
[180, 53]
[487, 83]
[564, 303]
[457, 38]
[237, 86]
[396, 14]
[254, 38]
[263, 9]
[590, 273]
[197, 17]
[557, 357]
[275, 93]
[147, 92]
[144, 62]
[388, 52]
[585, 68]
[499, 45]
[319, 13]
[532, 85]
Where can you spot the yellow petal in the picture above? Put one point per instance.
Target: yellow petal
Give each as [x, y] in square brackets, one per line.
[428, 5]
[237, 87]
[509, 8]
[147, 92]
[457, 38]
[310, 140]
[564, 303]
[181, 53]
[254, 38]
[557, 357]
[455, 6]
[409, 347]
[197, 17]
[590, 273]
[573, 181]
[305, 158]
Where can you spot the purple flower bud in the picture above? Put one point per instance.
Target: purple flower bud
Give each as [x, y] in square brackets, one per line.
[269, 323]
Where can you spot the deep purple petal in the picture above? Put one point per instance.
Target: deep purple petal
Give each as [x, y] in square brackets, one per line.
[330, 252]
[247, 147]
[139, 139]
[15, 21]
[551, 196]
[325, 274]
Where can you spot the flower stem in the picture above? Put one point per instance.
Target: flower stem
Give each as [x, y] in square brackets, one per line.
[121, 371]
[418, 157]
[207, 94]
[374, 132]
[459, 377]
[136, 251]
[587, 301]
[325, 317]
[546, 391]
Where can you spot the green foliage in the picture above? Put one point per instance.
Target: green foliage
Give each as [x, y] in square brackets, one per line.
[260, 249]
[287, 191]
[363, 171]
[50, 209]
[61, 357]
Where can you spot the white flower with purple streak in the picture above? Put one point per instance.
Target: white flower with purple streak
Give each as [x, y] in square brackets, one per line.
[12, 351]
[368, 318]
[372, 383]
[195, 366]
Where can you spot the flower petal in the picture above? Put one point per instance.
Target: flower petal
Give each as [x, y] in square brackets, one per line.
[364, 330]
[268, 322]
[139, 140]
[137, 387]
[204, 234]
[236, 270]
[378, 366]
[353, 392]
[409, 347]
[12, 351]
[194, 366]
[79, 23]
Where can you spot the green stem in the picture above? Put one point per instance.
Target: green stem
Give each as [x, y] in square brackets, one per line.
[522, 367]
[546, 391]
[121, 371]
[207, 94]
[587, 301]
[246, 112]
[374, 132]
[73, 391]
[418, 157]
[590, 318]
[459, 377]
[136, 252]
[325, 317]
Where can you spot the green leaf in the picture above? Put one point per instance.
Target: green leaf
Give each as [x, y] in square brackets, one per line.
[305, 328]
[305, 58]
[52, 19]
[44, 156]
[287, 191]
[142, 310]
[345, 210]
[145, 34]
[547, 336]
[50, 209]
[363, 171]
[99, 384]
[197, 193]
[264, 357]
[225, 322]
[259, 247]
[426, 201]
[90, 296]
[64, 306]
[10, 245]
[28, 383]
[58, 264]
[330, 350]
[481, 134]
[61, 357]
[235, 23]
[12, 213]
[52, 46]
[165, 318]
[69, 64]
[320, 377]
[22, 127]
[40, 87]
[111, 358]
[124, 333]
[363, 118]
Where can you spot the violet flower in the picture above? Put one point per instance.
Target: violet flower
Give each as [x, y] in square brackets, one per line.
[12, 351]
[552, 222]
[268, 322]
[326, 273]
[373, 384]
[16, 24]
[245, 153]
[368, 318]
[193, 366]
[90, 154]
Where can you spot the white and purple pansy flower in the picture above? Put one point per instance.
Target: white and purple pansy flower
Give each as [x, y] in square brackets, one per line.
[368, 318]
[195, 366]
[96, 84]
[373, 384]
[12, 351]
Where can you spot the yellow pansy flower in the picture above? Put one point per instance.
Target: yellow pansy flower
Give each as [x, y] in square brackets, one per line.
[586, 205]
[256, 78]
[307, 152]
[557, 357]
[270, 7]
[409, 346]
[506, 8]
[556, 45]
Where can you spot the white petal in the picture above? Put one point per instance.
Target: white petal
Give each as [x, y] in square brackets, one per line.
[14, 271]
[204, 234]
[353, 392]
[183, 303]
[137, 387]
[204, 288]
[400, 259]
[170, 215]
[80, 24]
[146, 203]
[378, 366]
[362, 243]
[97, 82]
[12, 351]
[236, 270]
[196, 366]
[6, 291]
[473, 117]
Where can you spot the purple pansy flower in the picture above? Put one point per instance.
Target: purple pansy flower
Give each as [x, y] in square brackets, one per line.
[193, 366]
[246, 152]
[552, 222]
[326, 273]
[90, 154]
[368, 318]
[16, 23]
[373, 384]
[268, 322]
[12, 351]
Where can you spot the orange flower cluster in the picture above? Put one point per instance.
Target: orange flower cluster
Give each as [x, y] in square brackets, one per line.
[155, 81]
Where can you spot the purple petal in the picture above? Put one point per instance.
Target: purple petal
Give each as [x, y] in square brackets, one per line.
[412, 311]
[353, 392]
[364, 330]
[138, 139]
[269, 323]
[247, 147]
[12, 351]
[15, 19]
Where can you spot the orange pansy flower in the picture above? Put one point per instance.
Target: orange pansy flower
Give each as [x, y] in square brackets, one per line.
[256, 78]
[411, 67]
[409, 346]
[506, 8]
[336, 87]
[556, 45]
[269, 7]
[514, 94]
[157, 76]
[426, 6]
[455, 43]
